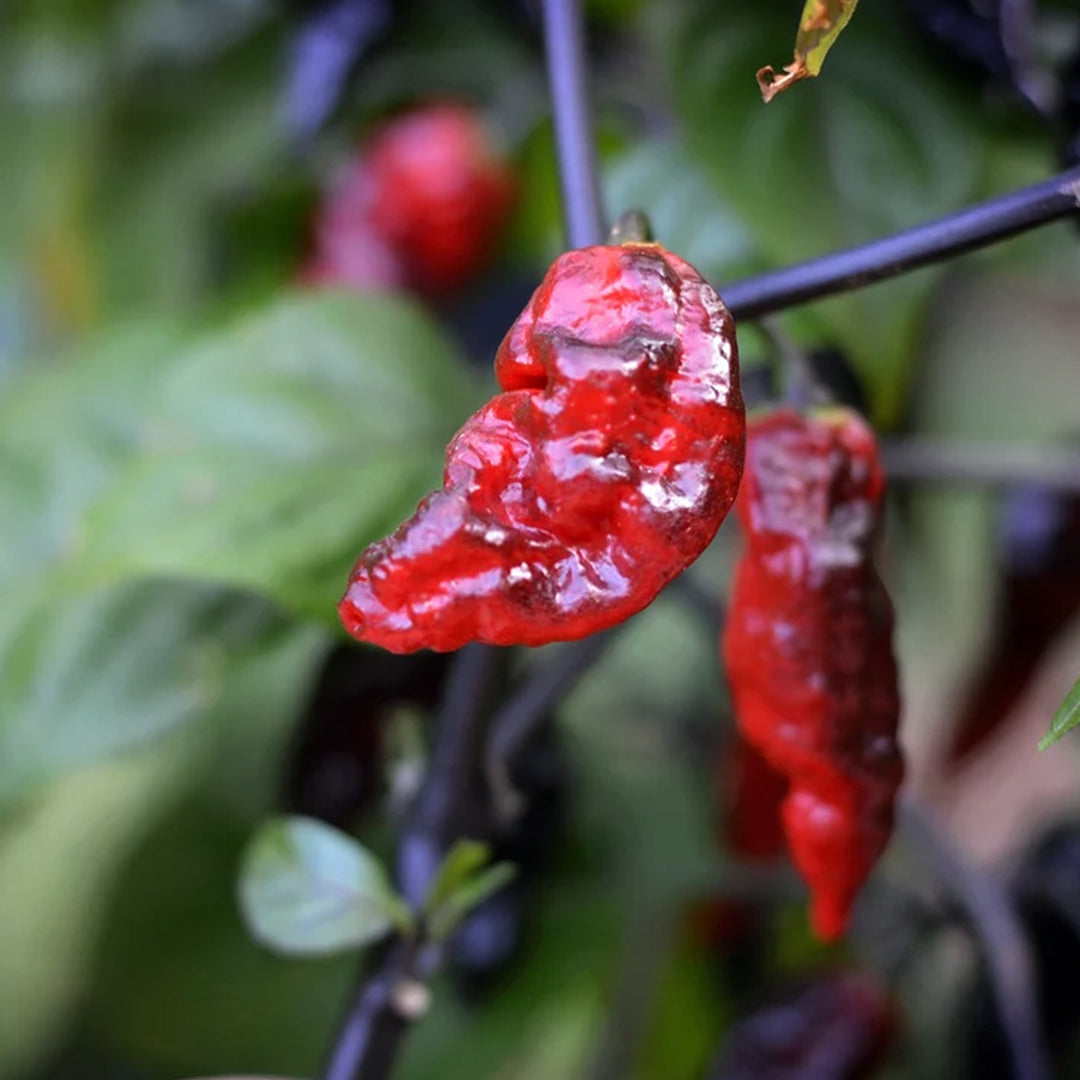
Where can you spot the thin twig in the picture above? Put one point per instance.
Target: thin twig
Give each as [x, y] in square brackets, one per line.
[1004, 945]
[564, 43]
[955, 234]
[649, 940]
[368, 1041]
[951, 461]
[517, 719]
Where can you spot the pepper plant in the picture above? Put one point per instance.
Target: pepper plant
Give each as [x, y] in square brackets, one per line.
[536, 863]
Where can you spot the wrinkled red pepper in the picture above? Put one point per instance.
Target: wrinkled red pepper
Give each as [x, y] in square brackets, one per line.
[808, 646]
[603, 469]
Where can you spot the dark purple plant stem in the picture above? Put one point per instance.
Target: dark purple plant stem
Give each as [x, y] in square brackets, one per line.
[370, 1037]
[927, 460]
[368, 1041]
[1000, 933]
[518, 718]
[564, 44]
[956, 234]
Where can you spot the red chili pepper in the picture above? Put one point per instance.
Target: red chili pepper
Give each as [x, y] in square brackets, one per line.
[421, 206]
[808, 646]
[441, 194]
[603, 469]
[756, 792]
[749, 793]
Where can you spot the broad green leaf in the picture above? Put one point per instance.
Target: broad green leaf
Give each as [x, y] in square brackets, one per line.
[86, 675]
[819, 26]
[290, 534]
[281, 446]
[67, 425]
[1065, 719]
[309, 889]
[878, 146]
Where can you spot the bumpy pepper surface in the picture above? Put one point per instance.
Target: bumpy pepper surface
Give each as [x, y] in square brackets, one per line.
[603, 469]
[808, 647]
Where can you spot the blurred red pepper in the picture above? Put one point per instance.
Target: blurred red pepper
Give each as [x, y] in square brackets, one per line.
[808, 646]
[756, 792]
[603, 469]
[422, 206]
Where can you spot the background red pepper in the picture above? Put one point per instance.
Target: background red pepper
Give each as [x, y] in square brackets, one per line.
[808, 646]
[421, 206]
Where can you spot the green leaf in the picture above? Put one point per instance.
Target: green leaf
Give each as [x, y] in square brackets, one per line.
[309, 889]
[877, 146]
[461, 884]
[463, 860]
[660, 177]
[59, 864]
[819, 27]
[281, 447]
[68, 423]
[84, 676]
[174, 971]
[470, 894]
[1065, 719]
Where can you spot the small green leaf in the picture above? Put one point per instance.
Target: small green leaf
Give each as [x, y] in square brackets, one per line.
[1065, 719]
[819, 27]
[462, 861]
[461, 884]
[472, 892]
[309, 889]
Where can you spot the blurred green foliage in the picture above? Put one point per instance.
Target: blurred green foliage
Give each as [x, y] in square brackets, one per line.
[191, 453]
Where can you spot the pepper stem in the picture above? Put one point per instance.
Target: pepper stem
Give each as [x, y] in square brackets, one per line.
[633, 227]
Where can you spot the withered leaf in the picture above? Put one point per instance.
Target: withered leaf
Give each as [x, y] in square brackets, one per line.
[819, 27]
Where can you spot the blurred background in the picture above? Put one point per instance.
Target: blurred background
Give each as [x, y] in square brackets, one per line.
[232, 349]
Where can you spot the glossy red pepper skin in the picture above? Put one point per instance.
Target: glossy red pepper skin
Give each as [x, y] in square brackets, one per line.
[808, 647]
[601, 471]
